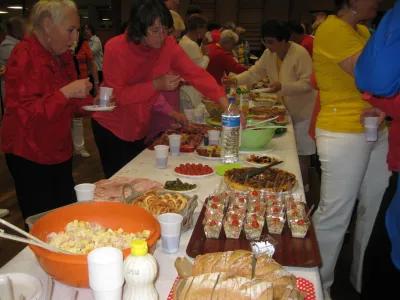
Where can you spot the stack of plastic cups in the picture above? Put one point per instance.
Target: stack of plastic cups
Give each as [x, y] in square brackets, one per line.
[106, 276]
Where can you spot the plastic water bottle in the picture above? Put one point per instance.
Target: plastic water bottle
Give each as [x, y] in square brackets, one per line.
[230, 133]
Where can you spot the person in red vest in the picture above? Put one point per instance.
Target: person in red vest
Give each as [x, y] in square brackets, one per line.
[222, 62]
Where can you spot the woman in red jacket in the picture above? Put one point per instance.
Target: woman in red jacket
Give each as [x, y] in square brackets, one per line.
[139, 65]
[42, 95]
[222, 61]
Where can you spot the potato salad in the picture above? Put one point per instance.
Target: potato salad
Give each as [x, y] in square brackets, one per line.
[81, 237]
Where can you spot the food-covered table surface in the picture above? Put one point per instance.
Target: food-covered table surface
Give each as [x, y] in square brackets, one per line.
[144, 166]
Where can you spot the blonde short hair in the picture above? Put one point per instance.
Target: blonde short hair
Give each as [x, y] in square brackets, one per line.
[229, 36]
[49, 8]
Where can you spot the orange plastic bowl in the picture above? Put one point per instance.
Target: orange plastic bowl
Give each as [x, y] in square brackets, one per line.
[73, 269]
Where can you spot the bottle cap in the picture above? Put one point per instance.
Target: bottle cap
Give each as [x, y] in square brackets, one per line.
[231, 99]
[139, 248]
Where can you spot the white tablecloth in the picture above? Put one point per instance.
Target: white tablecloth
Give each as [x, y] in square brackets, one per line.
[144, 166]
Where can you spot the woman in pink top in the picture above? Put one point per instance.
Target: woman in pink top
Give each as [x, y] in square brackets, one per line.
[140, 64]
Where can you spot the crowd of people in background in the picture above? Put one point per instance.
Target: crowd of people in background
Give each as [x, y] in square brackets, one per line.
[163, 63]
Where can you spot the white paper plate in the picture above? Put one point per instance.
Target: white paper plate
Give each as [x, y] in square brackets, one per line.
[98, 108]
[194, 176]
[260, 165]
[207, 157]
[268, 148]
[26, 285]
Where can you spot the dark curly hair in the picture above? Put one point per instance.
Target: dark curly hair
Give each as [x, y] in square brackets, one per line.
[341, 3]
[275, 29]
[195, 22]
[143, 15]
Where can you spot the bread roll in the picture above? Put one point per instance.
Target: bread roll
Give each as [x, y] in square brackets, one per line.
[221, 286]
[238, 263]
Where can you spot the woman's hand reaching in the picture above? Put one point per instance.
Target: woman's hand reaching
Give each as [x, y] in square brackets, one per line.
[167, 82]
[180, 118]
[77, 89]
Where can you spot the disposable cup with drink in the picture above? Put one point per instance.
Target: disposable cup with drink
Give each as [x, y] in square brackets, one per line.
[371, 124]
[85, 191]
[174, 144]
[199, 114]
[161, 153]
[213, 137]
[171, 224]
[189, 113]
[105, 96]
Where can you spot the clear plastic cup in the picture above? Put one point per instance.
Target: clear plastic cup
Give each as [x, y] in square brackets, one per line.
[174, 144]
[371, 128]
[161, 155]
[189, 113]
[171, 224]
[213, 137]
[105, 266]
[85, 191]
[105, 96]
[199, 114]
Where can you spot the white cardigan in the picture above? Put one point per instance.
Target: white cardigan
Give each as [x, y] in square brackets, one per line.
[294, 75]
[189, 96]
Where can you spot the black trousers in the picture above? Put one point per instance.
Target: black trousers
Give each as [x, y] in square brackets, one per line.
[380, 276]
[40, 187]
[114, 152]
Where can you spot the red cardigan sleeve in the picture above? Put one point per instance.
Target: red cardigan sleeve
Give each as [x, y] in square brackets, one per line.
[390, 106]
[230, 64]
[195, 75]
[114, 65]
[24, 87]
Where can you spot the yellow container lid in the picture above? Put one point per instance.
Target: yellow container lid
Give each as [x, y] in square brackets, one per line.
[139, 248]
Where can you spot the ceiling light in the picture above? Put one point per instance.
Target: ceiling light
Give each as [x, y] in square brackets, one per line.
[14, 7]
[3, 12]
[85, 17]
[106, 19]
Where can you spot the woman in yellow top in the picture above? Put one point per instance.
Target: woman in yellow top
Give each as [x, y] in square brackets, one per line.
[351, 167]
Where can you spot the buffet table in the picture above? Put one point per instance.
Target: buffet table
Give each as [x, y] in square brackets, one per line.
[143, 166]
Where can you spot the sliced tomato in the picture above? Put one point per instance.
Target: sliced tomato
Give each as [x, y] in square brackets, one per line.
[187, 148]
[235, 222]
[212, 223]
[255, 224]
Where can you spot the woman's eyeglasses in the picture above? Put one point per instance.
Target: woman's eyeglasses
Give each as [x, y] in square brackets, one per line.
[159, 31]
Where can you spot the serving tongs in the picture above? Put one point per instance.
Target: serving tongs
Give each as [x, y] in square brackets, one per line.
[129, 194]
[30, 239]
[256, 171]
[258, 124]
